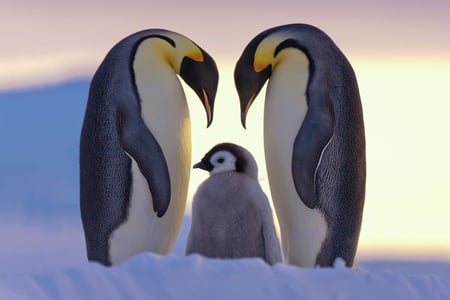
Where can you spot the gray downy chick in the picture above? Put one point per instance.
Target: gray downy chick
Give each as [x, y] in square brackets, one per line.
[231, 215]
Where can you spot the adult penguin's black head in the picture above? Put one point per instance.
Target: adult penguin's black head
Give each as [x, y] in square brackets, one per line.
[200, 72]
[250, 74]
[194, 65]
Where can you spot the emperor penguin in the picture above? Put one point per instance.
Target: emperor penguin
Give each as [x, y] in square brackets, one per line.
[135, 146]
[314, 140]
[231, 215]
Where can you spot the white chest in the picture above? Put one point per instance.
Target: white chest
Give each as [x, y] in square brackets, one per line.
[165, 113]
[303, 230]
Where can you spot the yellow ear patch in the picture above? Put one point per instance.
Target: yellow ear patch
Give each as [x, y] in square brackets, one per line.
[259, 66]
[264, 53]
[195, 54]
[262, 60]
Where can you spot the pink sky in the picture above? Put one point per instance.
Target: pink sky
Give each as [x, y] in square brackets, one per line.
[46, 41]
[406, 28]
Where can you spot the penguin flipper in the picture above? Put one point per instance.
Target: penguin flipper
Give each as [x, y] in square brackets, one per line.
[137, 140]
[310, 143]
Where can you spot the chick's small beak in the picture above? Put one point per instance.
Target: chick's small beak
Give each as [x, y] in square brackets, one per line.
[204, 165]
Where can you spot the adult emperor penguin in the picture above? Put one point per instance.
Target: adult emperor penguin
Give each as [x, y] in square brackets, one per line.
[135, 148]
[231, 215]
[313, 139]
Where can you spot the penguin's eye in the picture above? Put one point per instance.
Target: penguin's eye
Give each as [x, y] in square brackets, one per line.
[220, 160]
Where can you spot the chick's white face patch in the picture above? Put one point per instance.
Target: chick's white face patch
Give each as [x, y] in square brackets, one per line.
[223, 161]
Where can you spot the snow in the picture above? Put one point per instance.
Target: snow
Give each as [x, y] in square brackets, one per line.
[42, 254]
[50, 265]
[46, 260]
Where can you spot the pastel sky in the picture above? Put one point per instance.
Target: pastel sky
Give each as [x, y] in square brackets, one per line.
[400, 51]
[53, 39]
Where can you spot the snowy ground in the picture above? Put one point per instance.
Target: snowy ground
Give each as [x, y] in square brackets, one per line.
[47, 261]
[42, 253]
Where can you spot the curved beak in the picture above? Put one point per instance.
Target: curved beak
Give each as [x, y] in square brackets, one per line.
[203, 78]
[209, 106]
[245, 106]
[248, 82]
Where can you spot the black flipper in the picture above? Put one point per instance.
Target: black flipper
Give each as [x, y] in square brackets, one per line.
[310, 142]
[137, 140]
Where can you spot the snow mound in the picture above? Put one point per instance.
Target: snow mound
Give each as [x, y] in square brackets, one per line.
[150, 276]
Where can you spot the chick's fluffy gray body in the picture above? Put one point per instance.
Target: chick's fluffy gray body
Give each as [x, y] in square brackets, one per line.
[231, 218]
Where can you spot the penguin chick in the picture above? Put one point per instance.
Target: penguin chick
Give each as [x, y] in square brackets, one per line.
[231, 215]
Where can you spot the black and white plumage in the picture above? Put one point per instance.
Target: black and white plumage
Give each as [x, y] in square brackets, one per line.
[135, 147]
[314, 140]
[231, 215]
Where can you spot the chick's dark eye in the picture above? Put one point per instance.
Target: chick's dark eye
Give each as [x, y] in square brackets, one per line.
[220, 160]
